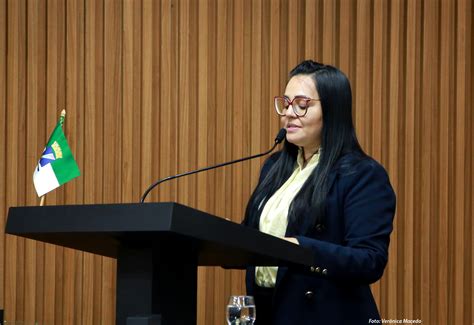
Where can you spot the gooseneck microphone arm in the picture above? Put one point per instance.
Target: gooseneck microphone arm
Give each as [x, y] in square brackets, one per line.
[279, 138]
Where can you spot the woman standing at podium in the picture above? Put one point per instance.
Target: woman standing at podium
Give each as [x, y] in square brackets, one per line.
[321, 191]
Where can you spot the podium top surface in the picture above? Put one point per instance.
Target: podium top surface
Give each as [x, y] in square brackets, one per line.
[106, 228]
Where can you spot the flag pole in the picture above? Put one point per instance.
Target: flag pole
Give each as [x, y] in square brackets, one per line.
[63, 115]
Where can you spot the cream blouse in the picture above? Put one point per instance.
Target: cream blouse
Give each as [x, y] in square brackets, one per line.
[274, 217]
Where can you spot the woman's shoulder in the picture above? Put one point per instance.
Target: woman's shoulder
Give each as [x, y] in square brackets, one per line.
[361, 175]
[350, 165]
[355, 163]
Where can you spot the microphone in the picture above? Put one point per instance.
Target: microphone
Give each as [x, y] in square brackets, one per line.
[278, 139]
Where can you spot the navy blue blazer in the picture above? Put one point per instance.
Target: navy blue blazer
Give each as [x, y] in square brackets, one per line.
[350, 251]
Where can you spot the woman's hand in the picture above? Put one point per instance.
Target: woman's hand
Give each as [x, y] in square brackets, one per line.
[292, 239]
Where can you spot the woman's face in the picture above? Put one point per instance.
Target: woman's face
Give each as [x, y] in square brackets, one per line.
[303, 131]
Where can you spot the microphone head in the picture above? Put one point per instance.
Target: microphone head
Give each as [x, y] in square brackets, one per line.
[280, 136]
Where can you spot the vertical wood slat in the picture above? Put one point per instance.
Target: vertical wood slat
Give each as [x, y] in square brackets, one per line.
[140, 144]
[14, 82]
[459, 177]
[362, 58]
[158, 87]
[291, 18]
[157, 81]
[467, 24]
[310, 29]
[393, 152]
[112, 102]
[22, 266]
[40, 57]
[256, 100]
[409, 154]
[128, 96]
[146, 102]
[32, 102]
[3, 130]
[245, 103]
[446, 70]
[186, 114]
[346, 38]
[329, 19]
[165, 165]
[427, 164]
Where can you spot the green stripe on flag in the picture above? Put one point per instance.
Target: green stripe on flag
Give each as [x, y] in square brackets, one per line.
[64, 166]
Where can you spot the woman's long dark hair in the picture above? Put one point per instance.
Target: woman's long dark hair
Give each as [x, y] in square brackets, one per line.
[337, 139]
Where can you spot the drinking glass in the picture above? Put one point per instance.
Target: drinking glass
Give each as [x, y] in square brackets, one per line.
[241, 310]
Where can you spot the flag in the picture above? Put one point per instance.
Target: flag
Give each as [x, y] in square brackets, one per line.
[56, 165]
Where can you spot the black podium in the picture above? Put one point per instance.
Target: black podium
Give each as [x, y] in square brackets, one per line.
[158, 247]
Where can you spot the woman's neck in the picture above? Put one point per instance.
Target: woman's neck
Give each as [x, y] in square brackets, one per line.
[309, 152]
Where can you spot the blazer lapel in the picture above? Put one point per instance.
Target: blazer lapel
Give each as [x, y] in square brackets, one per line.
[283, 269]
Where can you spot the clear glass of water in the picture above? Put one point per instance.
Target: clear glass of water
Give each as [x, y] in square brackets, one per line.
[241, 310]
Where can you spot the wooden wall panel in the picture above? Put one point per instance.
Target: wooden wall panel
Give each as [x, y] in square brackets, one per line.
[406, 215]
[3, 130]
[3, 126]
[153, 88]
[15, 86]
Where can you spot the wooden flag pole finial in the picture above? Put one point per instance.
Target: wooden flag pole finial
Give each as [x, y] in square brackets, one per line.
[63, 113]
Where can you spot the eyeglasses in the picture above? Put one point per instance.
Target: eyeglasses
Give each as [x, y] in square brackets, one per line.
[299, 104]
